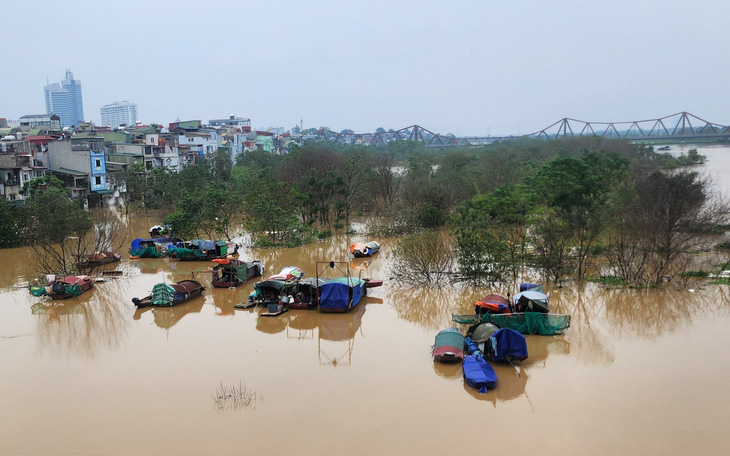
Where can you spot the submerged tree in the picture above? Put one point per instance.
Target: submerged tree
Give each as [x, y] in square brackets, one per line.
[426, 258]
[57, 228]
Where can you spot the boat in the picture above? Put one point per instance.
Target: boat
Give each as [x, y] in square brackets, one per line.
[506, 345]
[530, 299]
[492, 303]
[664, 148]
[63, 287]
[146, 248]
[448, 346]
[93, 260]
[340, 294]
[476, 370]
[361, 250]
[167, 295]
[158, 231]
[232, 273]
[202, 250]
[288, 288]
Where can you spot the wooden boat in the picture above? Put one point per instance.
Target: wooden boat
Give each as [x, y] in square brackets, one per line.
[372, 283]
[63, 287]
[93, 260]
[232, 273]
[492, 303]
[288, 289]
[360, 250]
[167, 295]
[448, 346]
[201, 250]
[340, 294]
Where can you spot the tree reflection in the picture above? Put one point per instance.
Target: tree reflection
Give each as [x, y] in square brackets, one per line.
[87, 324]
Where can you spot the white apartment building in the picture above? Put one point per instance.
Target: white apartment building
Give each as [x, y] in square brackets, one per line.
[119, 114]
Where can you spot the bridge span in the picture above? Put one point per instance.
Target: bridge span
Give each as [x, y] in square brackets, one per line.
[680, 127]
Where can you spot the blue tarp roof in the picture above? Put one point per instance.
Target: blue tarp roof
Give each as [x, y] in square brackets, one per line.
[336, 293]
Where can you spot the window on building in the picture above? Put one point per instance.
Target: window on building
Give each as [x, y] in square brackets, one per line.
[97, 163]
[25, 177]
[97, 179]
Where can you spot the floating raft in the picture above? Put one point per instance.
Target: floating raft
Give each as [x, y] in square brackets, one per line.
[244, 305]
[276, 313]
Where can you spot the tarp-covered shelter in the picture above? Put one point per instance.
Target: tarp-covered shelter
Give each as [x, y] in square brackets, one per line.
[340, 294]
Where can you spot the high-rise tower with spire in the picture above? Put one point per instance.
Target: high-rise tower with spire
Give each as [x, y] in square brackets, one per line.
[65, 100]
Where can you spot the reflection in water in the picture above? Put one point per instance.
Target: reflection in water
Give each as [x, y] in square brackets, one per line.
[167, 317]
[335, 332]
[84, 324]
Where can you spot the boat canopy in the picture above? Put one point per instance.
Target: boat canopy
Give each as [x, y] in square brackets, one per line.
[163, 294]
[341, 293]
[492, 303]
[506, 344]
[530, 301]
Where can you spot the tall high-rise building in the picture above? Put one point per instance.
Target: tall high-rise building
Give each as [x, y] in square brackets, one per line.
[119, 114]
[65, 101]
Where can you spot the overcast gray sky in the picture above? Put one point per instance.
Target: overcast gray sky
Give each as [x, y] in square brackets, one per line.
[465, 67]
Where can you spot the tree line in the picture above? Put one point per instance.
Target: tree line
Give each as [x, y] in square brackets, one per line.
[567, 208]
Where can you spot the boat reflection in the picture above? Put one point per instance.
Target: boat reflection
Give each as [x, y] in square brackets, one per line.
[167, 317]
[148, 265]
[334, 332]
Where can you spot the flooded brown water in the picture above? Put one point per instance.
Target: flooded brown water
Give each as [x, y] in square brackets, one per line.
[642, 372]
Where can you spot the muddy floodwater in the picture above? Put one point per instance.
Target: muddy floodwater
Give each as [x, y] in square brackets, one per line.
[639, 372]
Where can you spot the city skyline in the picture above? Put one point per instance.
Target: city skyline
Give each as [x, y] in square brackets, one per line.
[473, 68]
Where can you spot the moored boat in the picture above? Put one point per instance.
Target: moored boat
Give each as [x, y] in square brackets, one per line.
[146, 248]
[231, 273]
[167, 295]
[202, 250]
[93, 260]
[340, 294]
[492, 303]
[476, 370]
[366, 249]
[506, 345]
[288, 288]
[63, 287]
[448, 346]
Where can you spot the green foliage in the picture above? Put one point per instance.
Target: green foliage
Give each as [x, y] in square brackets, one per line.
[10, 225]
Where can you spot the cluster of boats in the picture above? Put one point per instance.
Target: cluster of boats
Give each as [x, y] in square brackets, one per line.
[333, 289]
[496, 332]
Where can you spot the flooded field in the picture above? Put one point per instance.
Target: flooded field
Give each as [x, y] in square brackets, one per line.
[638, 372]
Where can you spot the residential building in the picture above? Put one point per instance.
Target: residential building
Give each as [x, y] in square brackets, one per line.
[18, 165]
[65, 100]
[232, 121]
[119, 114]
[194, 141]
[46, 123]
[81, 164]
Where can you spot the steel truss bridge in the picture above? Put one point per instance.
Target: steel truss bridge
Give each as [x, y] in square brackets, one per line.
[681, 126]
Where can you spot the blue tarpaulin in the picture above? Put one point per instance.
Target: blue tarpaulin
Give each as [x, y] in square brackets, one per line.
[478, 373]
[335, 293]
[506, 343]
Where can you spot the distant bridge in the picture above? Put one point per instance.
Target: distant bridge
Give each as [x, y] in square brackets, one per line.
[681, 126]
